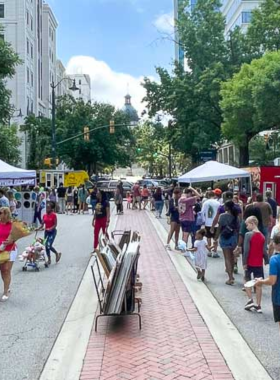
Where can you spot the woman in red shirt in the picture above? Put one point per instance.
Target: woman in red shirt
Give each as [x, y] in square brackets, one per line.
[50, 223]
[5, 246]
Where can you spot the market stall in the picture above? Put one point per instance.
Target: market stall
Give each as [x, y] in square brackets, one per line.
[12, 176]
[213, 171]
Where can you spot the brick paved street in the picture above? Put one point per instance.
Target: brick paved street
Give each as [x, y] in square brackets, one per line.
[174, 342]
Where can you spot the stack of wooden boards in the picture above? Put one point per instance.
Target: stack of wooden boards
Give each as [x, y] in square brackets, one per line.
[119, 261]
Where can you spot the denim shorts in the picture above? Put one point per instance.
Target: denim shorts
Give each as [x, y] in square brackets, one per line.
[230, 243]
[188, 226]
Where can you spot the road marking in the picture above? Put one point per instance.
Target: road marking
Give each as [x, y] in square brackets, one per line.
[240, 359]
[65, 361]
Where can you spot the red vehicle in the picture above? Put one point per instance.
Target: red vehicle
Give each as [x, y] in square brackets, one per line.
[266, 178]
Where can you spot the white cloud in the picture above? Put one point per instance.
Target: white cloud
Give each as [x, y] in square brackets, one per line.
[108, 85]
[165, 23]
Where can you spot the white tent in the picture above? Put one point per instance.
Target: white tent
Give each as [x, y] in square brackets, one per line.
[12, 176]
[213, 171]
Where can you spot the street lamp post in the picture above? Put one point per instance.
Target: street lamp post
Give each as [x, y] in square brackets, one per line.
[53, 87]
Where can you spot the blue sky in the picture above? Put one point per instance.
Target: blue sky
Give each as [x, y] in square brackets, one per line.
[121, 34]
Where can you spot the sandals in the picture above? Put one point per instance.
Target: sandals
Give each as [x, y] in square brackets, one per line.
[230, 282]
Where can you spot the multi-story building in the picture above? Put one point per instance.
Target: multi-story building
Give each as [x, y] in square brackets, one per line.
[238, 13]
[49, 55]
[63, 85]
[179, 51]
[22, 28]
[83, 83]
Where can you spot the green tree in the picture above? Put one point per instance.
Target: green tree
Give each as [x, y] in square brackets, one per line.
[9, 144]
[250, 102]
[103, 148]
[264, 30]
[192, 96]
[8, 62]
[38, 130]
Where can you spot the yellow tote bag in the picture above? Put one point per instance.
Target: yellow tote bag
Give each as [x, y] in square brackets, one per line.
[4, 257]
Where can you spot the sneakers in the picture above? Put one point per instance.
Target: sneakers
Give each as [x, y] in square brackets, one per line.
[4, 298]
[249, 305]
[168, 247]
[216, 256]
[199, 275]
[258, 309]
[209, 254]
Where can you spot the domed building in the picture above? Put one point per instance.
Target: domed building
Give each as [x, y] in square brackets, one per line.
[130, 110]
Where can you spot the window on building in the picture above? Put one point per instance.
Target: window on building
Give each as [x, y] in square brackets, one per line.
[2, 37]
[246, 17]
[80, 91]
[226, 155]
[2, 10]
[80, 82]
[28, 75]
[31, 23]
[27, 106]
[31, 107]
[50, 32]
[27, 18]
[231, 155]
[32, 79]
[27, 46]
[31, 50]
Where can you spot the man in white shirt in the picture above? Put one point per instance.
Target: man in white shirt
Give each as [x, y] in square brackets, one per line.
[209, 211]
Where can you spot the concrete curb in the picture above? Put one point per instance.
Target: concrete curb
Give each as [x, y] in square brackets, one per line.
[240, 359]
[66, 359]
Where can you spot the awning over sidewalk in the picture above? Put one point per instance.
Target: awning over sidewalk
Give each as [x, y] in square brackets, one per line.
[12, 176]
[213, 171]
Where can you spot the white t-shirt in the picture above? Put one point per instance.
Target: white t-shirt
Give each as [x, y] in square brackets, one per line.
[209, 211]
[275, 231]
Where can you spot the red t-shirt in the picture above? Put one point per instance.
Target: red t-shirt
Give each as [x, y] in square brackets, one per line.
[49, 220]
[5, 229]
[255, 257]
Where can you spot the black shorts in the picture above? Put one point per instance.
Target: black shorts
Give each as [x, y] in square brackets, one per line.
[276, 312]
[209, 234]
[256, 271]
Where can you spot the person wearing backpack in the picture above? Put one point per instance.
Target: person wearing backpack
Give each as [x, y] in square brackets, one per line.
[228, 232]
[209, 211]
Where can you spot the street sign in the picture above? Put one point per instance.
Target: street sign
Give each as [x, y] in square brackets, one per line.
[207, 155]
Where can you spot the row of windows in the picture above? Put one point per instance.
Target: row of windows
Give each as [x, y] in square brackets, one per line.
[29, 20]
[29, 48]
[30, 77]
[2, 11]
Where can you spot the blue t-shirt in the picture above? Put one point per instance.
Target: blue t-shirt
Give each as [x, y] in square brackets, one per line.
[274, 270]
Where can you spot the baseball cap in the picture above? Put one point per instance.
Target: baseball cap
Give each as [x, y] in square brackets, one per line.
[217, 191]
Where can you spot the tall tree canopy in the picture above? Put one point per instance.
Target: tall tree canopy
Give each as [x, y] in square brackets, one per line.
[8, 62]
[72, 116]
[192, 96]
[251, 101]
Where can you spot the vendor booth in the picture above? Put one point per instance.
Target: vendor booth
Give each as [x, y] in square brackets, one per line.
[213, 171]
[12, 176]
[16, 177]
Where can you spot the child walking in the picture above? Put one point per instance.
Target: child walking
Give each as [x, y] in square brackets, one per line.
[129, 200]
[201, 249]
[253, 256]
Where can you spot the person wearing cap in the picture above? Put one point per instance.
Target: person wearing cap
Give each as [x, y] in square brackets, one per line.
[218, 195]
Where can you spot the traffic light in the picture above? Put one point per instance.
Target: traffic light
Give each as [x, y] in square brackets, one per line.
[86, 133]
[112, 127]
[47, 161]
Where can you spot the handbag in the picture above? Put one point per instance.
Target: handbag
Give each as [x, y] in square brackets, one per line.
[4, 257]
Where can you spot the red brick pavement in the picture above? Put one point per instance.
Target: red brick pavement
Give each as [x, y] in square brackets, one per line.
[174, 342]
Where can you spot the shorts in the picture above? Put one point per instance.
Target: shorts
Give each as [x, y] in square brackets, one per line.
[137, 199]
[188, 226]
[230, 243]
[211, 235]
[256, 271]
[276, 312]
[69, 199]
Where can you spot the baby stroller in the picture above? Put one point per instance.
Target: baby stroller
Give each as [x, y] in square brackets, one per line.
[34, 255]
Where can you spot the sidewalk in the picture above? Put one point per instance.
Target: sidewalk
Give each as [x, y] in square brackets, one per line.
[174, 342]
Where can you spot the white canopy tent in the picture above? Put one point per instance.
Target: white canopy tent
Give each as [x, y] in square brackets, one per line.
[12, 176]
[213, 171]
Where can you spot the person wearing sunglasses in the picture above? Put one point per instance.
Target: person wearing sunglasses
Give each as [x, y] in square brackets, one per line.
[6, 246]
